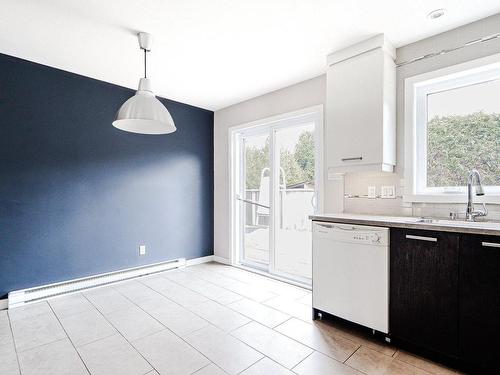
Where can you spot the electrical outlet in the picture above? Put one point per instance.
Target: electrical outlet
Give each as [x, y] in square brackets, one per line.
[388, 191]
[372, 192]
[142, 250]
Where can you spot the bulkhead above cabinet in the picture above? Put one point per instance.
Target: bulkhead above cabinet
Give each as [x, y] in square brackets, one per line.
[361, 108]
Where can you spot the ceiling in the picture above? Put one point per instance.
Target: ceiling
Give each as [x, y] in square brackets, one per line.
[214, 53]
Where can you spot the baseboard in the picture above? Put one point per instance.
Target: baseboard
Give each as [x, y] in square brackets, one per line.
[22, 297]
[4, 303]
[194, 261]
[222, 260]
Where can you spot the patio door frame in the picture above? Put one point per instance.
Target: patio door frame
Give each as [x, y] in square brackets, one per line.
[237, 181]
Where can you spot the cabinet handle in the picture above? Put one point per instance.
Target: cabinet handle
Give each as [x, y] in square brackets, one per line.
[350, 159]
[421, 238]
[491, 244]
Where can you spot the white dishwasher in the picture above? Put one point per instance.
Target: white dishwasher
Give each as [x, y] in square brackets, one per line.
[351, 273]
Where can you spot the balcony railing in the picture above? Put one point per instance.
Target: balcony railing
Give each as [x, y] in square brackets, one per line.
[294, 205]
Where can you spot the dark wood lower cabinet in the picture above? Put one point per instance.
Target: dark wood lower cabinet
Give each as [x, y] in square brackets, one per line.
[445, 296]
[479, 296]
[424, 289]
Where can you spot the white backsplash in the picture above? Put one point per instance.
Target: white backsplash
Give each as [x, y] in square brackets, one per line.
[356, 184]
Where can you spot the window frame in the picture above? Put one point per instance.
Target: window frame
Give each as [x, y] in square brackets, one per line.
[417, 88]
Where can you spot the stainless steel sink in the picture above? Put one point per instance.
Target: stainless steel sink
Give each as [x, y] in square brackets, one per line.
[456, 222]
[426, 220]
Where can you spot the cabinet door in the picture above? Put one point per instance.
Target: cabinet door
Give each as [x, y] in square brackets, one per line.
[354, 110]
[424, 289]
[479, 291]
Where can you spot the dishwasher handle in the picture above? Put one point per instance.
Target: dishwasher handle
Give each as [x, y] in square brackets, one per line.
[336, 226]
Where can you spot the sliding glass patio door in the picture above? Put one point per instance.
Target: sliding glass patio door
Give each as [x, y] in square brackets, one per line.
[254, 200]
[275, 179]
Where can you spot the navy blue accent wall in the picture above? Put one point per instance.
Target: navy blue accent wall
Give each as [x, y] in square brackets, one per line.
[78, 197]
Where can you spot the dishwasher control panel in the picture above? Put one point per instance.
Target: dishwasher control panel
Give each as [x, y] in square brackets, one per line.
[352, 233]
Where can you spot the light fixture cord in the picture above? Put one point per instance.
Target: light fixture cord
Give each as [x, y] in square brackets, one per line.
[145, 64]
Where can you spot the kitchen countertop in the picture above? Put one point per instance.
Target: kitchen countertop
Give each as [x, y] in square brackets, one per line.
[459, 226]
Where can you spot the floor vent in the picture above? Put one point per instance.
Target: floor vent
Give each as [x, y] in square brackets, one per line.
[21, 297]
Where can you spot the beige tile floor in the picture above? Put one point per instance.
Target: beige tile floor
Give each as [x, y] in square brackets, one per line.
[208, 319]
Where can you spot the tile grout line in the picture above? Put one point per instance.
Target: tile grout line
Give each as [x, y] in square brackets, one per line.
[303, 359]
[291, 338]
[211, 363]
[69, 338]
[100, 312]
[260, 359]
[42, 345]
[14, 342]
[165, 296]
[224, 287]
[262, 303]
[167, 328]
[93, 309]
[296, 340]
[279, 325]
[176, 303]
[232, 291]
[267, 278]
[257, 350]
[230, 333]
[354, 352]
[39, 345]
[412, 365]
[223, 331]
[193, 312]
[218, 286]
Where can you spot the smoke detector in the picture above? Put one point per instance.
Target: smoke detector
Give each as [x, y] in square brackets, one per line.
[435, 14]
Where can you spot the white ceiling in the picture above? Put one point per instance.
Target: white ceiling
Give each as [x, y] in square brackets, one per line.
[214, 53]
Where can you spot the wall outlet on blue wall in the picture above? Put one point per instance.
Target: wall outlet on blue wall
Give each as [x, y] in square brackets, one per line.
[142, 250]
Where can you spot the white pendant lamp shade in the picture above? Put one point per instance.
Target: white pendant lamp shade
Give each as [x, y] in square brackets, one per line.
[143, 113]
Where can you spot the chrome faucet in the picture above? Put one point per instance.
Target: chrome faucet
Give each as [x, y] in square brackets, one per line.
[474, 179]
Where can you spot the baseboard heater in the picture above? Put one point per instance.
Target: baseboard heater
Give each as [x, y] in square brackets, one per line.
[20, 297]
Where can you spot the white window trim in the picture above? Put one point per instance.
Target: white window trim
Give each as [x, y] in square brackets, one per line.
[416, 89]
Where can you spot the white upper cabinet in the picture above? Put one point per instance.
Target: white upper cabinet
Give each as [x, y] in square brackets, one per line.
[361, 108]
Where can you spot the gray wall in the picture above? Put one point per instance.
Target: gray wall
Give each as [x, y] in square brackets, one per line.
[313, 92]
[358, 183]
[302, 95]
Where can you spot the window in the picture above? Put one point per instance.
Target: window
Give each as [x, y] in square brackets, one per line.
[452, 126]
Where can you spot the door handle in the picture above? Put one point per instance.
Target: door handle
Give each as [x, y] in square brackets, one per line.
[421, 238]
[251, 202]
[351, 159]
[491, 244]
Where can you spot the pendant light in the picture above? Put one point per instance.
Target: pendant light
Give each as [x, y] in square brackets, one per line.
[143, 113]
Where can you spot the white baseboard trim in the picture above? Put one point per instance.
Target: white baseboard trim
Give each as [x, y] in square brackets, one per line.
[222, 260]
[22, 297]
[4, 303]
[194, 261]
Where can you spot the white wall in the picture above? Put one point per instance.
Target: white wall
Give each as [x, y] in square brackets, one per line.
[302, 95]
[313, 92]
